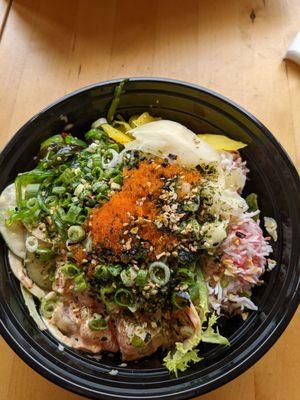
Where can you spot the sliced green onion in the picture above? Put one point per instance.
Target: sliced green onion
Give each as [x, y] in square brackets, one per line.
[98, 173]
[123, 297]
[127, 277]
[70, 270]
[58, 218]
[62, 168]
[67, 197]
[32, 203]
[79, 189]
[101, 196]
[100, 187]
[73, 214]
[159, 273]
[114, 146]
[114, 270]
[81, 219]
[36, 214]
[89, 165]
[137, 341]
[80, 283]
[106, 295]
[42, 204]
[97, 324]
[94, 134]
[47, 307]
[59, 190]
[76, 233]
[96, 160]
[115, 101]
[117, 179]
[101, 272]
[34, 176]
[31, 244]
[51, 201]
[141, 278]
[32, 190]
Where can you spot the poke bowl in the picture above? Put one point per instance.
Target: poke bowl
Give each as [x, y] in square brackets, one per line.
[181, 161]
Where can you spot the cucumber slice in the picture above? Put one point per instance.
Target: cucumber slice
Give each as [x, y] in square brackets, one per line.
[39, 270]
[17, 267]
[30, 304]
[14, 234]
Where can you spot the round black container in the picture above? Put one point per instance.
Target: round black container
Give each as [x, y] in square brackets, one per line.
[273, 177]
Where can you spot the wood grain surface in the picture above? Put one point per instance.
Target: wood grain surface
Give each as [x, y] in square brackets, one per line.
[236, 47]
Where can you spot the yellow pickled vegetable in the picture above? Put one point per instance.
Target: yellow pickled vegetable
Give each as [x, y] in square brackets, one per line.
[137, 120]
[221, 142]
[122, 126]
[115, 134]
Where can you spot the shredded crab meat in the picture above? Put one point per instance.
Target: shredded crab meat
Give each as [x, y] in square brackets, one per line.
[243, 262]
[245, 251]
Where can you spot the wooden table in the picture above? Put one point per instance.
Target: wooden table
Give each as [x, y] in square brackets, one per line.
[49, 48]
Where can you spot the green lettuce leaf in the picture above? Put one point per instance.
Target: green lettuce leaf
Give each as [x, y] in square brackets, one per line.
[180, 361]
[184, 354]
[211, 336]
[203, 294]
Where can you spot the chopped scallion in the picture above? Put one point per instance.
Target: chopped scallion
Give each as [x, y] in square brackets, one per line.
[76, 233]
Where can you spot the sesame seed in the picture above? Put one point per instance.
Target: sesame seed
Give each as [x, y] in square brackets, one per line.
[160, 255]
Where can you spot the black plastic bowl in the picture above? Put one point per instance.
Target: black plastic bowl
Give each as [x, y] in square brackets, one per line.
[273, 177]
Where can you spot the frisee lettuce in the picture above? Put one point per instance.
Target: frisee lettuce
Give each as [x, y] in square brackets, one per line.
[211, 336]
[179, 361]
[186, 352]
[203, 294]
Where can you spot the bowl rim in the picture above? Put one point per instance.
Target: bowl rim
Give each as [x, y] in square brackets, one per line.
[235, 370]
